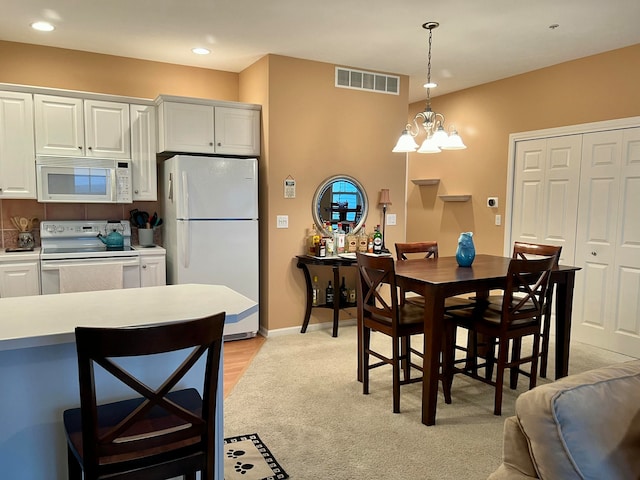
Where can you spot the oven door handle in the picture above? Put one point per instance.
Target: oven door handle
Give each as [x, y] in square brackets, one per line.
[46, 265]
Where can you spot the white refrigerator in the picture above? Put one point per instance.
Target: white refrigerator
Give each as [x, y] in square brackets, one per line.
[210, 227]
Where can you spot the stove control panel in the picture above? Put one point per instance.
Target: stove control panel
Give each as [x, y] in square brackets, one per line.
[78, 229]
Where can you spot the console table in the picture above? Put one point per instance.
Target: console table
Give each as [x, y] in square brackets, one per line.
[335, 263]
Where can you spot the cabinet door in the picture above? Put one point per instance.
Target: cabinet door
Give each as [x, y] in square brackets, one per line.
[107, 132]
[237, 131]
[19, 279]
[17, 167]
[143, 152]
[185, 127]
[153, 271]
[59, 125]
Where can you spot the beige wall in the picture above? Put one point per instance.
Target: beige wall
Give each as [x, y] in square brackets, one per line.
[26, 64]
[316, 131]
[600, 87]
[312, 130]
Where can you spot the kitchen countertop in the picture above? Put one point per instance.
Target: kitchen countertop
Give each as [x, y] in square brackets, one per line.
[21, 256]
[51, 319]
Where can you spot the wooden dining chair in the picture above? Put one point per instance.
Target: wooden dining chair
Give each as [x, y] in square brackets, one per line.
[428, 249]
[380, 311]
[164, 432]
[519, 314]
[533, 250]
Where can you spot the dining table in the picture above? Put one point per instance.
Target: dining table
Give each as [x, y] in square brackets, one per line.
[438, 278]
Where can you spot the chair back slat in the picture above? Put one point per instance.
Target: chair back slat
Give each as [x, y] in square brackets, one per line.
[531, 250]
[131, 433]
[430, 249]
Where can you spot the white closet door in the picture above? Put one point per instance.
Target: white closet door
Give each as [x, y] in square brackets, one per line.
[545, 194]
[607, 301]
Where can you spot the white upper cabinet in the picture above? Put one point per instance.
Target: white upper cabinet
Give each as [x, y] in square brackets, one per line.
[237, 131]
[186, 127]
[82, 128]
[143, 152]
[17, 158]
[107, 129]
[192, 127]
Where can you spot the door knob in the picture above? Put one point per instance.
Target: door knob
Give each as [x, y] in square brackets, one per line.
[594, 254]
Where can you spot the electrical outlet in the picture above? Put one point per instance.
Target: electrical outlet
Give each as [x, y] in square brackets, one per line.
[282, 221]
[391, 219]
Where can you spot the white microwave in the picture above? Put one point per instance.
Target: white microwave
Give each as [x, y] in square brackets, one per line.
[83, 180]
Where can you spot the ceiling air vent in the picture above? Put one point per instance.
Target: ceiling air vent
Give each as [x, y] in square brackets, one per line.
[371, 81]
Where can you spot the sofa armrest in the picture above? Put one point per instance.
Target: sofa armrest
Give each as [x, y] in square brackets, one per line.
[516, 459]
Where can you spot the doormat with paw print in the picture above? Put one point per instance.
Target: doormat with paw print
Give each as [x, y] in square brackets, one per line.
[247, 458]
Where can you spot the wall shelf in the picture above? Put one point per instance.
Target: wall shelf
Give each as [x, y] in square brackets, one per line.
[455, 198]
[426, 181]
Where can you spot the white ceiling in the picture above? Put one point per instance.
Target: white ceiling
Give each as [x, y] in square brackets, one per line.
[478, 41]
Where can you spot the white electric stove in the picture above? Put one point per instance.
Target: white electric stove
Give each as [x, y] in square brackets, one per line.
[75, 243]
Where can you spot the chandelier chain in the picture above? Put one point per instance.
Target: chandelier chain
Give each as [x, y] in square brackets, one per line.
[429, 66]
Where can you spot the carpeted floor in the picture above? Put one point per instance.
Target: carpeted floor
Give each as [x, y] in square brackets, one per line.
[301, 396]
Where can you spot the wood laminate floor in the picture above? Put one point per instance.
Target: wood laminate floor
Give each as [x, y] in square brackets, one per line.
[237, 357]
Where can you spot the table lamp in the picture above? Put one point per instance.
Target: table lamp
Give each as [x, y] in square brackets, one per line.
[384, 201]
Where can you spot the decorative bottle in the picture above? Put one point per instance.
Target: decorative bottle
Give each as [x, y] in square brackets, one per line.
[329, 295]
[377, 241]
[363, 240]
[344, 294]
[315, 290]
[466, 251]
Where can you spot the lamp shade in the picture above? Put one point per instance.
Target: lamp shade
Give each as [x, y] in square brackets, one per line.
[405, 144]
[384, 197]
[454, 142]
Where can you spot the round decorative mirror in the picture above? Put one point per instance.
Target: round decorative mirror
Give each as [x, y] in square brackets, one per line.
[340, 198]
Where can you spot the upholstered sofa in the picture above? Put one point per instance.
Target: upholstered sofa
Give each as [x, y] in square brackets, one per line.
[584, 426]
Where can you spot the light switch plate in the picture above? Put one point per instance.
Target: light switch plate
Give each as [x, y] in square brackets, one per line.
[391, 219]
[282, 221]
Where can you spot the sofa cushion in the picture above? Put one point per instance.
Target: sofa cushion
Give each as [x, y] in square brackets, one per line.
[585, 426]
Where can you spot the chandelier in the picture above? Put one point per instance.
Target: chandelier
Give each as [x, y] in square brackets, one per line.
[432, 122]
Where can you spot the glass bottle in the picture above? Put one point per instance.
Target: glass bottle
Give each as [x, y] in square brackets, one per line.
[315, 290]
[329, 295]
[377, 241]
[331, 249]
[311, 240]
[352, 240]
[340, 239]
[344, 294]
[363, 239]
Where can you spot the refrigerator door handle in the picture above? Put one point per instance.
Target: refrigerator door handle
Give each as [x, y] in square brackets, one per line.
[185, 195]
[186, 244]
[170, 196]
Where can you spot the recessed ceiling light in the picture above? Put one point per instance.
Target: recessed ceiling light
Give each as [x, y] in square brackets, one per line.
[42, 26]
[201, 51]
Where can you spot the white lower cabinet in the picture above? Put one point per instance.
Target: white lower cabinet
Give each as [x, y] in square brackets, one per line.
[19, 278]
[153, 269]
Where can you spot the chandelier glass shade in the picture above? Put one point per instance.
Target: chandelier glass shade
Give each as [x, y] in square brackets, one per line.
[437, 138]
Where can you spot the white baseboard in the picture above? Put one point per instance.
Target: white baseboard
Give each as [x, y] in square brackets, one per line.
[312, 327]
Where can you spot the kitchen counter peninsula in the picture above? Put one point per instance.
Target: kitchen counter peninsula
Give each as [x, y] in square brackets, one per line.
[38, 365]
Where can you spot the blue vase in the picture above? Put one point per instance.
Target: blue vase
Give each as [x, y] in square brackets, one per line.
[466, 252]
